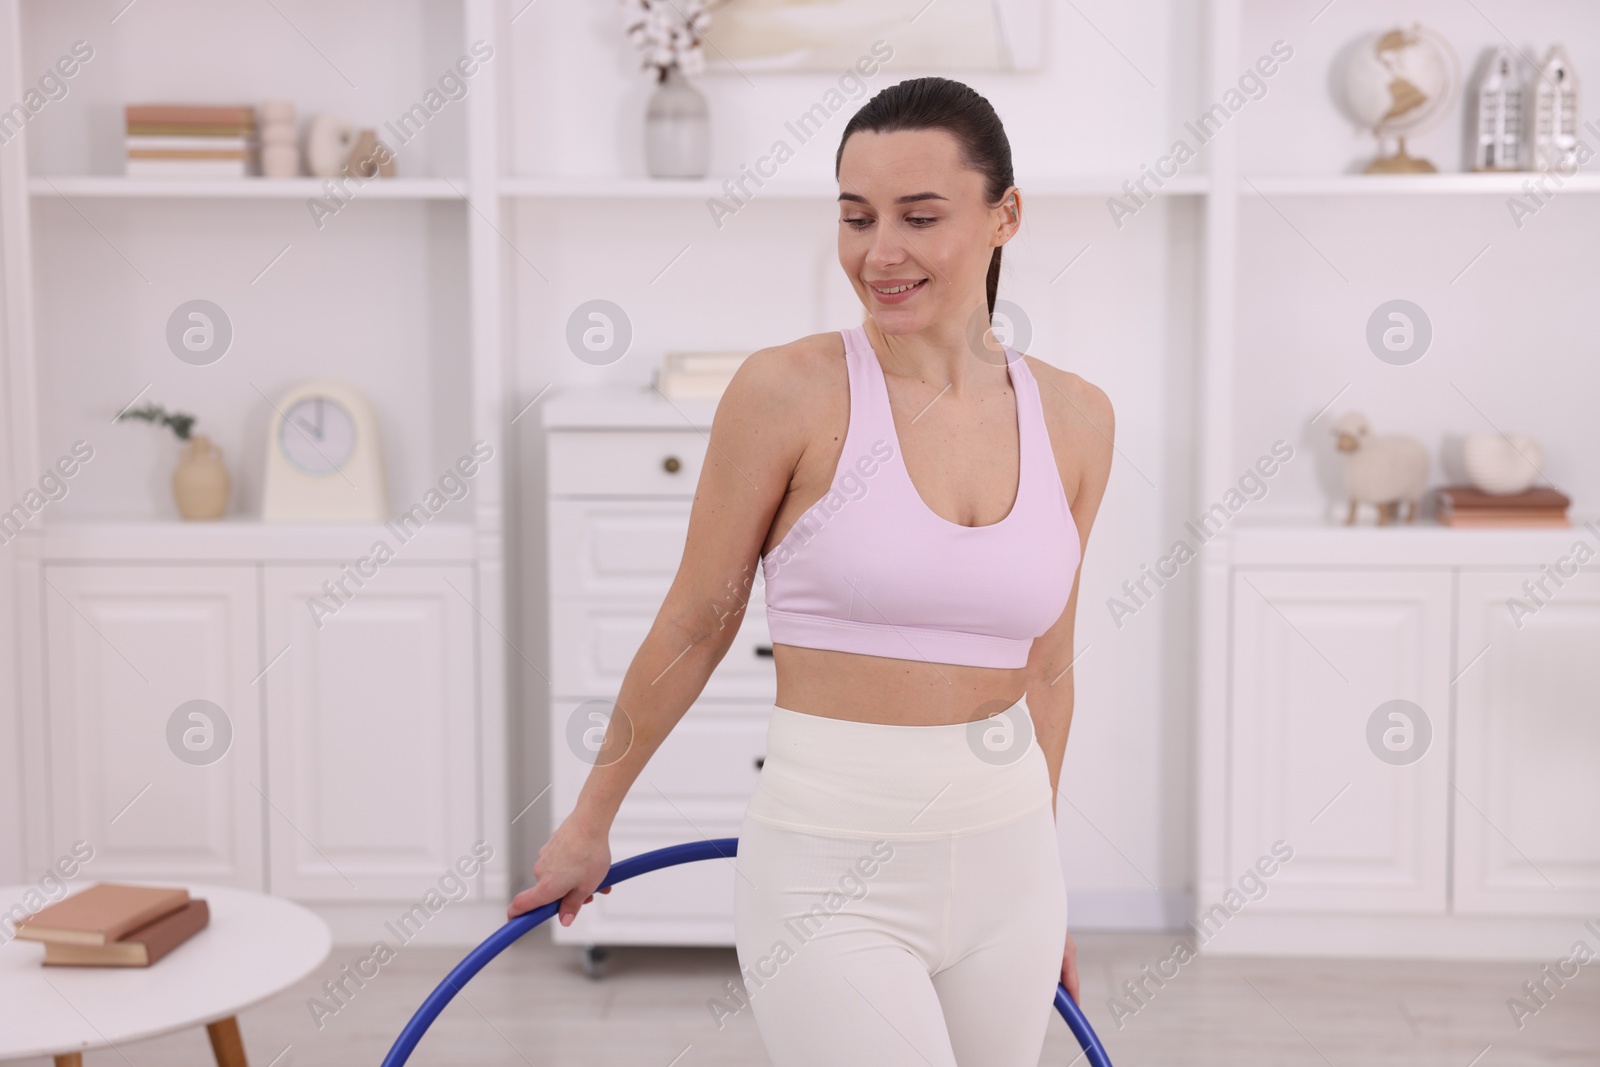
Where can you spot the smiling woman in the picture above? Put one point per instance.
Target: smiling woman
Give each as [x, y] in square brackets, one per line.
[973, 131]
[921, 635]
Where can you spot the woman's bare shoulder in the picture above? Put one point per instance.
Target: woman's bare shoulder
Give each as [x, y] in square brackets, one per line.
[770, 412]
[1081, 424]
[1072, 404]
[791, 383]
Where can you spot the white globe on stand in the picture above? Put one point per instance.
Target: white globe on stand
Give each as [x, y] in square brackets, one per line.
[1398, 83]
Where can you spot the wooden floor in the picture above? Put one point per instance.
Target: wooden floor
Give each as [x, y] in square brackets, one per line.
[534, 1006]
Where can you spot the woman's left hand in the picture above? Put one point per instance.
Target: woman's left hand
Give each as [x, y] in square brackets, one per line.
[1069, 969]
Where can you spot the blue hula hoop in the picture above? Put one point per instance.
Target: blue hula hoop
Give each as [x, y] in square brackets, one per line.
[645, 862]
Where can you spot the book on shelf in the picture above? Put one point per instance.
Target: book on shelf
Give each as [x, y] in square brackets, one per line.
[190, 115]
[1465, 505]
[187, 168]
[234, 155]
[139, 947]
[186, 129]
[101, 913]
[136, 144]
[189, 141]
[697, 374]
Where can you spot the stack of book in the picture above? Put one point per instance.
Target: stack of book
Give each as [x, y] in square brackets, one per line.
[190, 141]
[697, 374]
[1462, 505]
[112, 925]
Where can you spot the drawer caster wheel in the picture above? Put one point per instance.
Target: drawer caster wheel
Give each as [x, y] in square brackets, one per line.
[594, 960]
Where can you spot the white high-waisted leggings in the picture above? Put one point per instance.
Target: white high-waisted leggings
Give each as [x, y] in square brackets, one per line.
[898, 894]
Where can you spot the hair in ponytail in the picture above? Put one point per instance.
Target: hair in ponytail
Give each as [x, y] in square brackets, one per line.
[942, 104]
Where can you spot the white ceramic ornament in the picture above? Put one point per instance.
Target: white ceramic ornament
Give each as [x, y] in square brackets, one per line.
[1501, 465]
[329, 140]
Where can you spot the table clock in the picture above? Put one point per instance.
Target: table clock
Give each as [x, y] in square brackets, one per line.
[324, 463]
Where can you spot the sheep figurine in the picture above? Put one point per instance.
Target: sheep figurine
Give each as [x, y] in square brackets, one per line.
[1382, 471]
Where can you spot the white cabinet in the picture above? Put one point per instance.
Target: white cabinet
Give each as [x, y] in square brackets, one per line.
[371, 742]
[354, 775]
[127, 646]
[622, 474]
[1527, 824]
[1464, 822]
[1315, 653]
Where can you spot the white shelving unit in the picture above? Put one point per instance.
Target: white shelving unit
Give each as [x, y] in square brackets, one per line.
[368, 758]
[476, 339]
[1304, 626]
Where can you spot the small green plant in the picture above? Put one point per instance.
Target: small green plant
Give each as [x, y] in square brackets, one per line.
[157, 415]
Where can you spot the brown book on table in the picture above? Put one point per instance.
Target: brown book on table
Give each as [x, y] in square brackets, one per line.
[137, 948]
[102, 913]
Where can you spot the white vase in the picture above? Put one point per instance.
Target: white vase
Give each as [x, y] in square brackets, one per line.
[677, 130]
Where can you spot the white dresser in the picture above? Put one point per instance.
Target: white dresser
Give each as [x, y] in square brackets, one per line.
[622, 469]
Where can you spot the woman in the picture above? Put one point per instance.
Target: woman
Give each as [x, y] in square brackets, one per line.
[918, 496]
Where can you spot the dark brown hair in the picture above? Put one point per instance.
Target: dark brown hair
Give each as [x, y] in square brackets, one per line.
[943, 104]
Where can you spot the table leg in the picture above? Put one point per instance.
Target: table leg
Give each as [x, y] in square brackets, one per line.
[226, 1044]
[70, 1059]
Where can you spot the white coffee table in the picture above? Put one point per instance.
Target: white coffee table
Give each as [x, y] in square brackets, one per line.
[254, 946]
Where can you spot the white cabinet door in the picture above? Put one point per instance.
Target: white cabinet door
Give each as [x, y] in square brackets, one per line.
[125, 648]
[1315, 654]
[1527, 797]
[372, 731]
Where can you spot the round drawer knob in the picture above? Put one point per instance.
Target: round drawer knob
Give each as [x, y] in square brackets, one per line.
[671, 464]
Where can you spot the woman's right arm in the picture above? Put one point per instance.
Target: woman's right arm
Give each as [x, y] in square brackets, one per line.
[757, 436]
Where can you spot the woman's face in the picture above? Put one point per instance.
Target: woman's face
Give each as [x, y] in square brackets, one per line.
[910, 214]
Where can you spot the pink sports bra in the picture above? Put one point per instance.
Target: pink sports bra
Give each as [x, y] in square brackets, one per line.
[872, 569]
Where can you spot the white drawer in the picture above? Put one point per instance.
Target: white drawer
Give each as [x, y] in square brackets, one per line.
[702, 774]
[625, 462]
[620, 548]
[594, 642]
